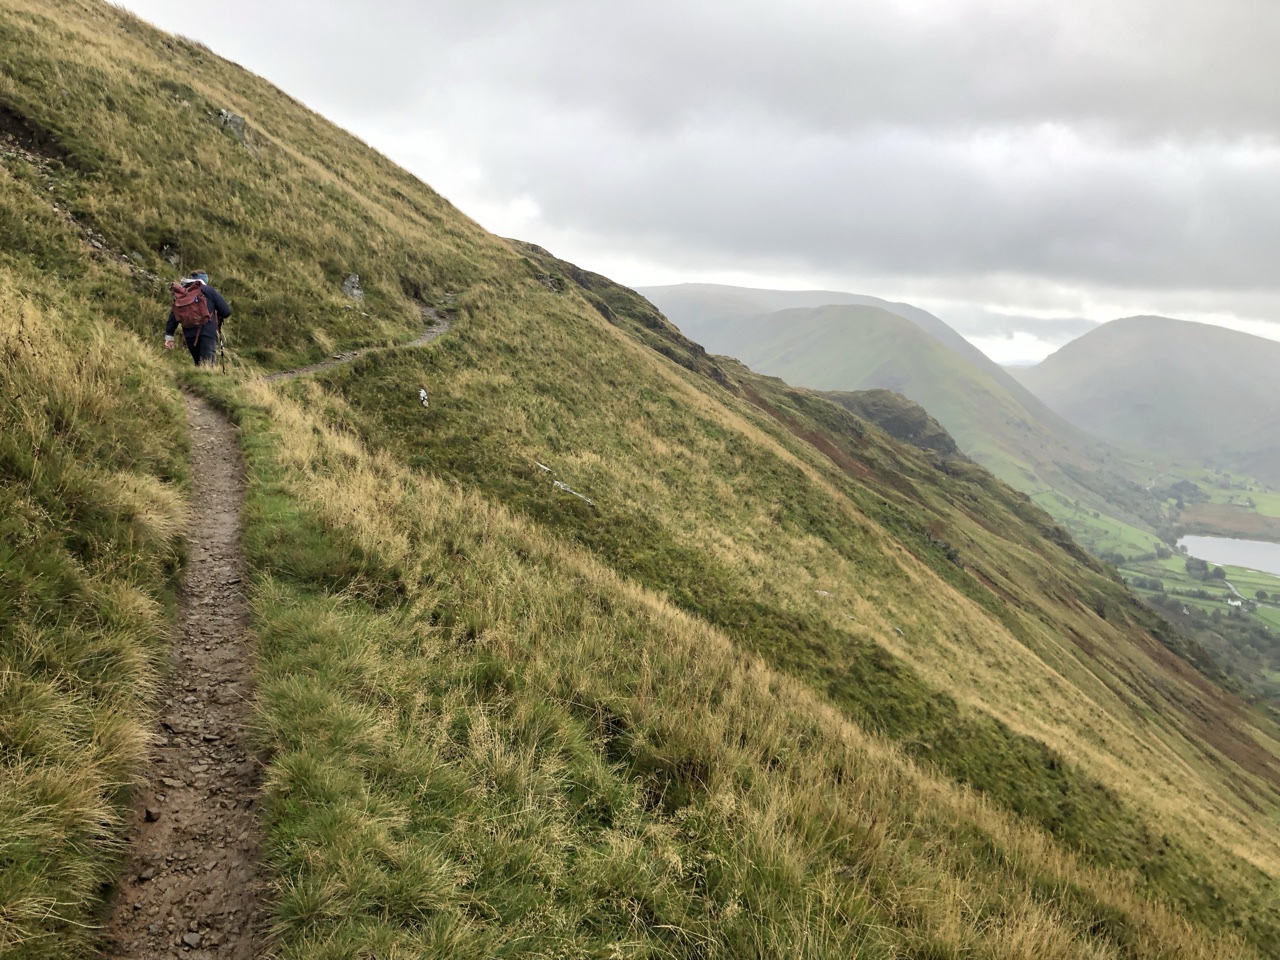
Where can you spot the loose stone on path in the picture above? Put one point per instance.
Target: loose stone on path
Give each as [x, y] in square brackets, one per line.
[195, 887]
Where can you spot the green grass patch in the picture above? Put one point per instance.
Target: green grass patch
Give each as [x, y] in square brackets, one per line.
[530, 757]
[91, 464]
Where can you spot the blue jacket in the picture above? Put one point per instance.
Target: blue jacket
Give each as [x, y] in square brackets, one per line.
[218, 308]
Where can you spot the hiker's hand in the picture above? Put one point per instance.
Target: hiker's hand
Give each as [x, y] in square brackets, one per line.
[168, 343]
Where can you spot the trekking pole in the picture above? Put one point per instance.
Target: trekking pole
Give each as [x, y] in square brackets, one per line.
[222, 349]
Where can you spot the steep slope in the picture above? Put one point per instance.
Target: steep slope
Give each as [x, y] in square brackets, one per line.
[899, 417]
[1187, 390]
[92, 469]
[843, 348]
[614, 648]
[865, 347]
[995, 419]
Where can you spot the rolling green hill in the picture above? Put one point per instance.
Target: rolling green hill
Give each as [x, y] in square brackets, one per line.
[771, 685]
[1190, 391]
[701, 309]
[849, 347]
[707, 311]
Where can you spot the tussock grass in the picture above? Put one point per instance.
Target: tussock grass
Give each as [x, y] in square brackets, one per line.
[743, 524]
[529, 754]
[278, 221]
[90, 513]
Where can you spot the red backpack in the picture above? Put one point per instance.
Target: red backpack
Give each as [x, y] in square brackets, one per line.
[190, 305]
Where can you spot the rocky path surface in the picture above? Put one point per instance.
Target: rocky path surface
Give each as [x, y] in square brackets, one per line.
[195, 887]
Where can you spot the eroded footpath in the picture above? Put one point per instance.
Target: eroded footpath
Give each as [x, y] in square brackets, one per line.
[195, 886]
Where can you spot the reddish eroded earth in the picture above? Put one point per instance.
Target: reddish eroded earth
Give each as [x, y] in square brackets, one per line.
[195, 887]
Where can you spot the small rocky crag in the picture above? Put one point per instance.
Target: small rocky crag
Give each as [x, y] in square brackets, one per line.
[234, 123]
[351, 287]
[194, 887]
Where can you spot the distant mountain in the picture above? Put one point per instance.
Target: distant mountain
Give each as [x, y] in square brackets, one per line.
[855, 343]
[1181, 389]
[696, 307]
[704, 310]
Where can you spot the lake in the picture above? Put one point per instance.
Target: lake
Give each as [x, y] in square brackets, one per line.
[1254, 554]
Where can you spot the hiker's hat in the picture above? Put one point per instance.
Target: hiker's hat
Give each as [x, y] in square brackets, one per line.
[200, 275]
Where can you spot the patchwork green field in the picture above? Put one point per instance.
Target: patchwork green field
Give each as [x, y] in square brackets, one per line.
[1094, 530]
[1251, 513]
[1225, 614]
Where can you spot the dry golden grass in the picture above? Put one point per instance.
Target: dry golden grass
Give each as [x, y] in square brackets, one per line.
[1040, 683]
[89, 523]
[451, 645]
[883, 834]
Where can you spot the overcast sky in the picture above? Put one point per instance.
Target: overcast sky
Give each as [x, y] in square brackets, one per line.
[1019, 168]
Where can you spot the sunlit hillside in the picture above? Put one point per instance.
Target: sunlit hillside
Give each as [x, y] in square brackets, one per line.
[613, 649]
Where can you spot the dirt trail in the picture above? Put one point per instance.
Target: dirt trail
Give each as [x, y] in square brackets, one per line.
[194, 887]
[441, 324]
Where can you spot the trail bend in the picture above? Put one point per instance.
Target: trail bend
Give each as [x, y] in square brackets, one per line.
[441, 324]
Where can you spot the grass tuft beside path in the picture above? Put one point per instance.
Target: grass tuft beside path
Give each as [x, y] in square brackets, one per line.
[91, 508]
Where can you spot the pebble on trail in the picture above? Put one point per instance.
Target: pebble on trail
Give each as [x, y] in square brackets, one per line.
[194, 854]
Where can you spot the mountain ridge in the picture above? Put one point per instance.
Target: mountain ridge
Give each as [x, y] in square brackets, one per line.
[687, 302]
[995, 419]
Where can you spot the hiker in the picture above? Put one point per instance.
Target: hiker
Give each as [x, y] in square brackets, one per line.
[199, 310]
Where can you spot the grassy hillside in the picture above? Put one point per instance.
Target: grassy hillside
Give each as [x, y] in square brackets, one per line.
[1190, 391]
[702, 310]
[841, 348]
[773, 685]
[1103, 497]
[899, 417]
[91, 507]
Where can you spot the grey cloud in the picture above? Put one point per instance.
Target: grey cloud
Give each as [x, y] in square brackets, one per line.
[1030, 156]
[1200, 66]
[899, 202]
[1137, 67]
[972, 321]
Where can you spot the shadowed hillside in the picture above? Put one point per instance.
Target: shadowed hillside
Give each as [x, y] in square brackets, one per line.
[613, 648]
[899, 417]
[1191, 391]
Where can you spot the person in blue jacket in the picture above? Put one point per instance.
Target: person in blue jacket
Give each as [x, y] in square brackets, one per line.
[201, 341]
